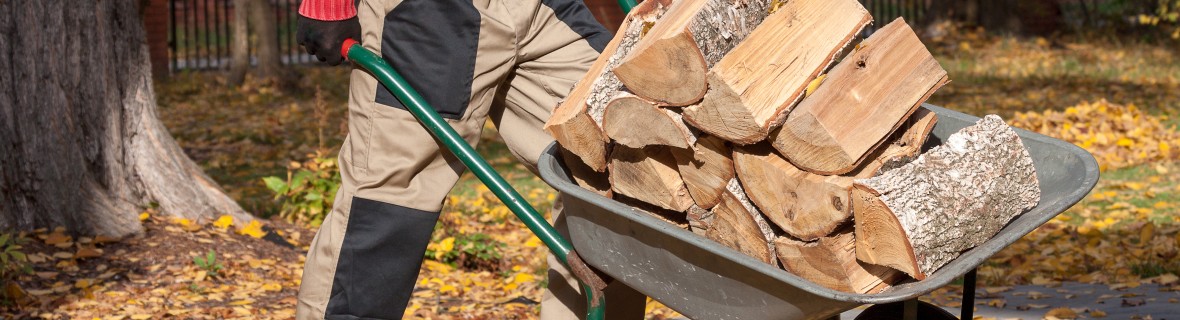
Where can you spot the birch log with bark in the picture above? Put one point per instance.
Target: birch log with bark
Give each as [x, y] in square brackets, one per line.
[649, 175]
[80, 142]
[752, 88]
[668, 66]
[863, 99]
[576, 122]
[831, 262]
[706, 170]
[920, 216]
[737, 224]
[634, 122]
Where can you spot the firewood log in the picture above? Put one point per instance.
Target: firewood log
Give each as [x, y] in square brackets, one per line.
[738, 225]
[922, 215]
[668, 66]
[831, 262]
[706, 170]
[576, 122]
[752, 88]
[863, 99]
[634, 122]
[649, 175]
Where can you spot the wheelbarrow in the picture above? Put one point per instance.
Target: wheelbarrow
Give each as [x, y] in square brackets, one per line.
[705, 280]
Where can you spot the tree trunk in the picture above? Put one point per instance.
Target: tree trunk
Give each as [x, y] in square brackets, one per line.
[239, 44]
[80, 143]
[266, 39]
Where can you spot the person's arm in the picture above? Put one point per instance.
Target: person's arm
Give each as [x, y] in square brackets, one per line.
[323, 26]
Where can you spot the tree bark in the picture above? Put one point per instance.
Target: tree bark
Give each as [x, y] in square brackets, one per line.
[80, 143]
[920, 216]
[266, 39]
[239, 43]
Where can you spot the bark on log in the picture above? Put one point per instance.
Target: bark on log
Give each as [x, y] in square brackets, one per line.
[668, 66]
[753, 87]
[634, 122]
[80, 142]
[576, 122]
[706, 170]
[699, 220]
[920, 216]
[805, 205]
[649, 175]
[863, 99]
[831, 262]
[738, 225]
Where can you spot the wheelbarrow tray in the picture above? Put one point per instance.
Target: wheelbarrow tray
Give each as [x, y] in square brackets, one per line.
[705, 280]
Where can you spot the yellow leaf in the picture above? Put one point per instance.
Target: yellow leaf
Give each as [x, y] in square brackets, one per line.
[253, 229]
[814, 85]
[141, 316]
[224, 222]
[1097, 314]
[521, 278]
[144, 216]
[1061, 313]
[1124, 142]
[532, 242]
[242, 302]
[272, 286]
[1146, 233]
[447, 288]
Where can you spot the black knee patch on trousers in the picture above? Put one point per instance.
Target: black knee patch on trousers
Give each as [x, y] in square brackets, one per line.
[379, 260]
[433, 44]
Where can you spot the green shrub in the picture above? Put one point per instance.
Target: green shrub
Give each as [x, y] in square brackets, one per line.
[307, 193]
[209, 263]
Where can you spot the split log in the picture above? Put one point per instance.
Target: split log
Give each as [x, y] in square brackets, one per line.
[809, 206]
[576, 122]
[805, 205]
[903, 147]
[737, 224]
[920, 216]
[831, 262]
[753, 87]
[706, 170]
[863, 99]
[634, 122]
[585, 176]
[668, 65]
[649, 175]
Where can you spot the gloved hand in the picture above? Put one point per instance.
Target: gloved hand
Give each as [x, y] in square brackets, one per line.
[325, 38]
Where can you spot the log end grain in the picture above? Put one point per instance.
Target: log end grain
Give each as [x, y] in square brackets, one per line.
[880, 239]
[720, 114]
[634, 122]
[670, 71]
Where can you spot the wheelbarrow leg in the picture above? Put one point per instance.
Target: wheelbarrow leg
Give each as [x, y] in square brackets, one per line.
[968, 311]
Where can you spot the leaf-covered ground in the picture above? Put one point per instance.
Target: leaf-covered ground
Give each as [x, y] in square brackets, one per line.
[1118, 100]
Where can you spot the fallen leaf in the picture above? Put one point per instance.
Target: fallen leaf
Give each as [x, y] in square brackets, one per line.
[1133, 302]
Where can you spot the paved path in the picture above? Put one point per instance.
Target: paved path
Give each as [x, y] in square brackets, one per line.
[1033, 302]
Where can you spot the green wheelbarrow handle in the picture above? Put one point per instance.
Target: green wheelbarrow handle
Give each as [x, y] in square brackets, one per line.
[536, 223]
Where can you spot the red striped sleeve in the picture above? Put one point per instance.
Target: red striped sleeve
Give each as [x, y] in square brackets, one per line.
[327, 10]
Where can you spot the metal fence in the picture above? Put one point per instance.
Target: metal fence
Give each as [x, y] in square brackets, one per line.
[200, 33]
[885, 11]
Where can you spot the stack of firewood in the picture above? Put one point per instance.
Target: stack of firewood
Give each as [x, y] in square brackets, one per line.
[767, 126]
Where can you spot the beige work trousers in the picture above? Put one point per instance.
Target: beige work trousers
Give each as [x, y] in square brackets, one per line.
[511, 61]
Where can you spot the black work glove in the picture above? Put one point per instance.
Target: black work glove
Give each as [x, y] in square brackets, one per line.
[324, 39]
